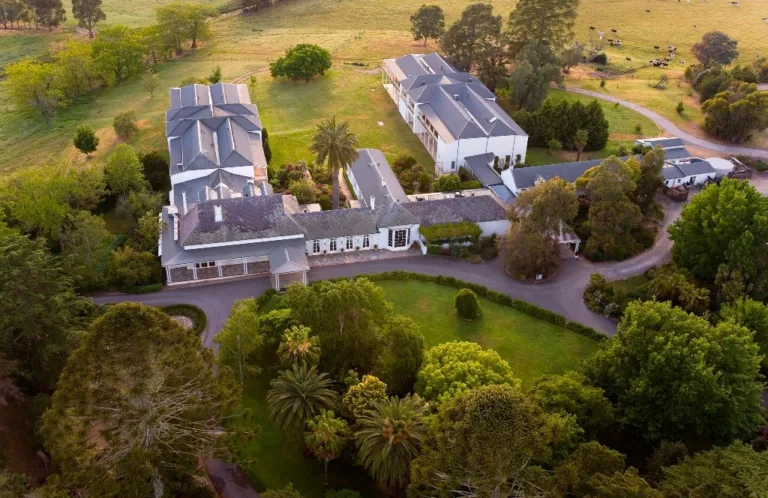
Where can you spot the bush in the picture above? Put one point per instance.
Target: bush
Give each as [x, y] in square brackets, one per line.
[325, 202]
[680, 107]
[471, 185]
[600, 59]
[85, 139]
[466, 306]
[192, 312]
[463, 231]
[447, 183]
[129, 268]
[342, 493]
[602, 83]
[155, 167]
[125, 126]
[304, 191]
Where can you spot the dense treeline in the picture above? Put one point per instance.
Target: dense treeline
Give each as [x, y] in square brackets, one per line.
[561, 120]
[38, 13]
[116, 54]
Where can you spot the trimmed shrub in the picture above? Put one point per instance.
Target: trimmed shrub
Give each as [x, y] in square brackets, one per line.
[192, 312]
[466, 306]
[471, 184]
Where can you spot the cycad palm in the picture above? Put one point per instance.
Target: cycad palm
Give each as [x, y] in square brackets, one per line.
[390, 437]
[298, 347]
[335, 144]
[299, 394]
[326, 437]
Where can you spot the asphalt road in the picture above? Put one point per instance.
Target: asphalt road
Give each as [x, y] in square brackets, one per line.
[672, 129]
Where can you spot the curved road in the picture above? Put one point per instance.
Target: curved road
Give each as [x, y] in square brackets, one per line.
[673, 130]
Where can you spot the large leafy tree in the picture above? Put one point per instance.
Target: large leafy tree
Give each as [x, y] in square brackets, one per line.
[527, 253]
[35, 86]
[731, 472]
[726, 224]
[137, 406]
[196, 16]
[39, 312]
[48, 13]
[473, 38]
[118, 53]
[715, 48]
[86, 240]
[571, 394]
[85, 139]
[547, 21]
[651, 180]
[735, 114]
[88, 13]
[124, 172]
[302, 62]
[548, 206]
[428, 22]
[76, 69]
[455, 367]
[402, 354]
[390, 437]
[536, 68]
[241, 340]
[753, 315]
[348, 316]
[669, 283]
[483, 443]
[326, 437]
[298, 395]
[299, 346]
[335, 146]
[674, 376]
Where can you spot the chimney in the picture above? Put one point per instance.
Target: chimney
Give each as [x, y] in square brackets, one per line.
[184, 201]
[373, 202]
[217, 215]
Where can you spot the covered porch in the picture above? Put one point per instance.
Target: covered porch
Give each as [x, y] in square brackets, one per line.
[287, 266]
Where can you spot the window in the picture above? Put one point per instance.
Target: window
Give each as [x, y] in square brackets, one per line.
[453, 164]
[315, 246]
[207, 264]
[349, 243]
[399, 237]
[332, 248]
[366, 241]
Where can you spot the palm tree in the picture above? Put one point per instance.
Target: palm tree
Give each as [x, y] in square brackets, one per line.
[326, 437]
[390, 437]
[580, 140]
[298, 347]
[336, 144]
[299, 394]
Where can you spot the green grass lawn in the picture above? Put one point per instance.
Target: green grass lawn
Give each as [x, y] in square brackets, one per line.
[630, 284]
[531, 346]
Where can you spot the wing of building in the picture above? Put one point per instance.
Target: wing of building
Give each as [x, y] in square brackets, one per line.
[454, 115]
[225, 221]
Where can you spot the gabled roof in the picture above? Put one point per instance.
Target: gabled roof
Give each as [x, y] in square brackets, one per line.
[290, 258]
[220, 184]
[375, 177]
[243, 219]
[570, 172]
[481, 167]
[212, 126]
[476, 209]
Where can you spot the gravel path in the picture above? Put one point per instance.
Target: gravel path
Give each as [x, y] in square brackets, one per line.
[673, 130]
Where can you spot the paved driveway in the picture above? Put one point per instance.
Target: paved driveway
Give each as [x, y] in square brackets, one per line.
[673, 130]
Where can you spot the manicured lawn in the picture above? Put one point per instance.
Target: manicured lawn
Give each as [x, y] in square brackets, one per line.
[630, 284]
[531, 346]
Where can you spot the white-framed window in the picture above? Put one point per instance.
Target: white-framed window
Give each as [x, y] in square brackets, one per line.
[398, 237]
[349, 243]
[315, 246]
[453, 164]
[206, 264]
[332, 248]
[366, 240]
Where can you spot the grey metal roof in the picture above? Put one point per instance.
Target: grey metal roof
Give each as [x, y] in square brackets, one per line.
[505, 195]
[676, 153]
[665, 143]
[220, 184]
[394, 215]
[243, 219]
[211, 127]
[696, 167]
[290, 258]
[671, 172]
[475, 209]
[375, 178]
[527, 177]
[416, 64]
[338, 223]
[481, 167]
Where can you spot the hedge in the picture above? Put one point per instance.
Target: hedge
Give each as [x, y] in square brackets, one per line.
[491, 295]
[141, 289]
[451, 232]
[192, 312]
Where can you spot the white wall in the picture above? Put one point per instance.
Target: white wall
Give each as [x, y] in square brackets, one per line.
[458, 150]
[185, 176]
[509, 180]
[499, 227]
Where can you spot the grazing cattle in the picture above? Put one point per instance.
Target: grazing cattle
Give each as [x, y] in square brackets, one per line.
[682, 62]
[592, 28]
[648, 10]
[629, 59]
[735, 4]
[614, 31]
[610, 40]
[656, 47]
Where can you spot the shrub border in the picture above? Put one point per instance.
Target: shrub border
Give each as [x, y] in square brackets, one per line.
[491, 295]
[141, 289]
[196, 314]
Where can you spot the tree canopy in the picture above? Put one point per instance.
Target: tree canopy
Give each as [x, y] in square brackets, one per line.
[544, 21]
[302, 62]
[473, 37]
[136, 407]
[402, 354]
[336, 146]
[674, 376]
[536, 68]
[454, 367]
[428, 22]
[88, 13]
[715, 47]
[241, 340]
[754, 316]
[736, 113]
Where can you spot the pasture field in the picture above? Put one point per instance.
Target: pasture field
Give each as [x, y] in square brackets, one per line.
[362, 31]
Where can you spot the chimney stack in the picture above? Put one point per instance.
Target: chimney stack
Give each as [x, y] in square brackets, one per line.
[373, 202]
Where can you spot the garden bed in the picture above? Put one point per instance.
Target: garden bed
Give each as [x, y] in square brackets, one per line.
[188, 316]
